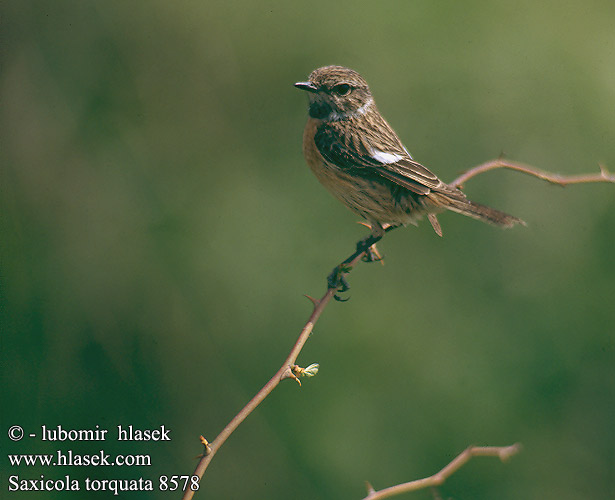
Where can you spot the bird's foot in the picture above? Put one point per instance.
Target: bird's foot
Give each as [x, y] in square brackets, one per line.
[371, 254]
[337, 281]
[367, 247]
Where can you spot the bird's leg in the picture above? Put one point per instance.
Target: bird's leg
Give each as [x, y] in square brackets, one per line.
[371, 252]
[337, 279]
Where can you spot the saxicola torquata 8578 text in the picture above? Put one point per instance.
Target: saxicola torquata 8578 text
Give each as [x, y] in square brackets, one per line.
[357, 156]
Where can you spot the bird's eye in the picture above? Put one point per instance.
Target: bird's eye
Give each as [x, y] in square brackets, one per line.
[342, 89]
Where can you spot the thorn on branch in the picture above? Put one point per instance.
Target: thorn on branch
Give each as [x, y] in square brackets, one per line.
[606, 175]
[290, 373]
[312, 300]
[370, 489]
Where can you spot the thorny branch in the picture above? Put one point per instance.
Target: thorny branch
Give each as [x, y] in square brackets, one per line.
[290, 370]
[562, 180]
[503, 452]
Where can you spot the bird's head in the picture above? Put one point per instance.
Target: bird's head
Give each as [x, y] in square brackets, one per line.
[336, 93]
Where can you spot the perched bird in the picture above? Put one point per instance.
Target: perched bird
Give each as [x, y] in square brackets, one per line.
[357, 156]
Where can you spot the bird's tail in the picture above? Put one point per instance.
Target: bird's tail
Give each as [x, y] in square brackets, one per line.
[483, 213]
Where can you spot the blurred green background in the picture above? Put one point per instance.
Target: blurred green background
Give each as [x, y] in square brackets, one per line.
[159, 228]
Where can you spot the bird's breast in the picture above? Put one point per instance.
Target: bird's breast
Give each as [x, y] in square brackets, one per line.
[310, 151]
[329, 175]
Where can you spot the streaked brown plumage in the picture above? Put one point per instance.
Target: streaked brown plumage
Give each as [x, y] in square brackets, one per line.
[357, 156]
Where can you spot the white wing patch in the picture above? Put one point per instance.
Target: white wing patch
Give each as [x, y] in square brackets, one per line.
[384, 157]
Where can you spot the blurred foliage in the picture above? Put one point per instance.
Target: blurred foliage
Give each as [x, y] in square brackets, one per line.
[159, 227]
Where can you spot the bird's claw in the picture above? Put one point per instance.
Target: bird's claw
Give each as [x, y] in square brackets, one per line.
[371, 254]
[337, 281]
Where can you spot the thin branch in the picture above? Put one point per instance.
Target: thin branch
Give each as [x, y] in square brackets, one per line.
[503, 452]
[337, 283]
[287, 370]
[561, 180]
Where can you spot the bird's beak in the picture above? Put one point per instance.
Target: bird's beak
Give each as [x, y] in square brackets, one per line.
[309, 86]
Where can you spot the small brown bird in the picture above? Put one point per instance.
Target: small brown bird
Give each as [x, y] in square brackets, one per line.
[357, 156]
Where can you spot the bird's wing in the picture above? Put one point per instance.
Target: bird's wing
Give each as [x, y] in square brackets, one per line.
[374, 150]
